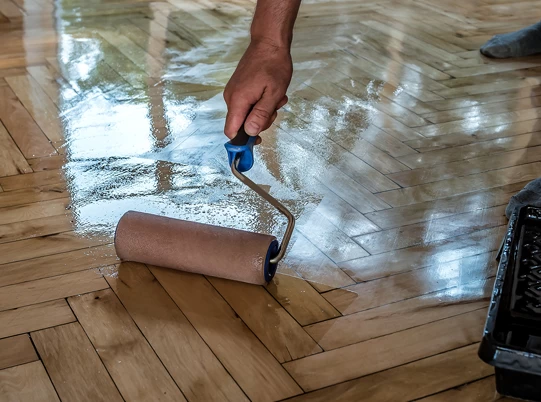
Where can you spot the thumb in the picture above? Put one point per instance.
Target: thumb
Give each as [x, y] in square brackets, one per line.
[236, 114]
[260, 116]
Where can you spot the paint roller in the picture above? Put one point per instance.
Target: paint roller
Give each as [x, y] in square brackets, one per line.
[207, 249]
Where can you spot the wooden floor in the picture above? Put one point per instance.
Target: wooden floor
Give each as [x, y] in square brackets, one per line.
[398, 152]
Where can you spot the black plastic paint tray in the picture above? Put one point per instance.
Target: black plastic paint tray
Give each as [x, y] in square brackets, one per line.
[512, 337]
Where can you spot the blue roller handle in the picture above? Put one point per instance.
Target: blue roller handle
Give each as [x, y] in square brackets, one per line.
[242, 148]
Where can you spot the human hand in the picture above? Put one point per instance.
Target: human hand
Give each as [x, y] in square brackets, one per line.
[260, 80]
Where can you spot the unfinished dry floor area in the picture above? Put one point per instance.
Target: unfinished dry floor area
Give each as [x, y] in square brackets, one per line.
[398, 152]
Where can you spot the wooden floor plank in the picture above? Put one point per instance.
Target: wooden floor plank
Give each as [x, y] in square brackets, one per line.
[276, 329]
[35, 317]
[462, 185]
[56, 264]
[475, 150]
[32, 194]
[28, 382]
[407, 259]
[401, 315]
[398, 287]
[478, 391]
[434, 230]
[410, 381]
[258, 373]
[38, 104]
[320, 370]
[73, 364]
[43, 246]
[34, 211]
[300, 299]
[24, 131]
[47, 163]
[190, 362]
[16, 351]
[441, 208]
[42, 290]
[12, 161]
[132, 364]
[469, 166]
[312, 264]
[35, 228]
[37, 179]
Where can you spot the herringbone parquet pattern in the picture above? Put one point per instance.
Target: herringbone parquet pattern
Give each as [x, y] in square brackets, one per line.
[397, 152]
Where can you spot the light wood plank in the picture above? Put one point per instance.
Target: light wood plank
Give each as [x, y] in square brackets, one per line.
[37, 179]
[431, 231]
[478, 391]
[410, 381]
[470, 136]
[38, 104]
[129, 359]
[300, 299]
[410, 284]
[24, 131]
[53, 265]
[33, 194]
[425, 211]
[43, 246]
[16, 351]
[257, 372]
[34, 317]
[37, 210]
[43, 290]
[394, 262]
[73, 364]
[462, 185]
[470, 166]
[52, 83]
[401, 315]
[305, 259]
[35, 228]
[475, 150]
[28, 382]
[321, 370]
[190, 362]
[276, 329]
[47, 163]
[12, 162]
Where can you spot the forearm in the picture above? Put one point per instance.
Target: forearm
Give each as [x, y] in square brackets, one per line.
[274, 20]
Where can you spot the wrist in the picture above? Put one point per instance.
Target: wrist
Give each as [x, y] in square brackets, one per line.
[276, 43]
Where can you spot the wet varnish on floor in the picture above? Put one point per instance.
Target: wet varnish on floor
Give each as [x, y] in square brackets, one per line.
[397, 153]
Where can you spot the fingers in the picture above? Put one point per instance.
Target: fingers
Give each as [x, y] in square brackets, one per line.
[236, 114]
[262, 115]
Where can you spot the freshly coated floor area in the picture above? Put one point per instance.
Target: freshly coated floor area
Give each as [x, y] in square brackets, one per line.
[397, 153]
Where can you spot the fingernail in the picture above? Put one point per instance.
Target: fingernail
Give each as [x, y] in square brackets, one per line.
[252, 128]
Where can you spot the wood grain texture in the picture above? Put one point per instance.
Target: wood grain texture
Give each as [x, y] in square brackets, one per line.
[12, 161]
[276, 329]
[16, 351]
[35, 317]
[42, 290]
[410, 381]
[258, 373]
[24, 131]
[191, 363]
[397, 152]
[132, 364]
[73, 364]
[399, 348]
[28, 382]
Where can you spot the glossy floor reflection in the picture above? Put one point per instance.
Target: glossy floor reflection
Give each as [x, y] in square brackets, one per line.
[397, 153]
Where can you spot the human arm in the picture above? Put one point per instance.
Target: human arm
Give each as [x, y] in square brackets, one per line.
[264, 71]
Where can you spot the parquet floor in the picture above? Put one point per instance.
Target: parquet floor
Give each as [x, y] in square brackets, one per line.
[397, 153]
